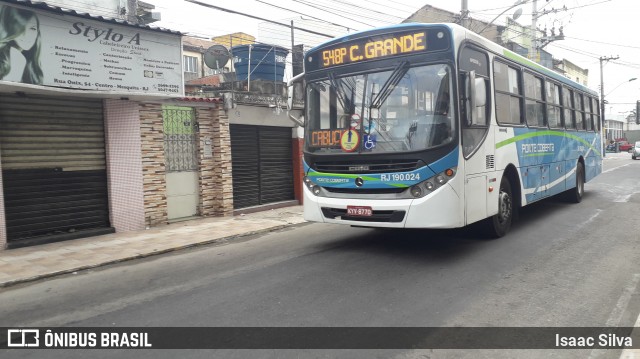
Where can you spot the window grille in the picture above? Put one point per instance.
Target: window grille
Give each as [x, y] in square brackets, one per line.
[180, 139]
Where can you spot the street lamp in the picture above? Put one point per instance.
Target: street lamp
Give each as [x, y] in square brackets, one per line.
[620, 84]
[515, 15]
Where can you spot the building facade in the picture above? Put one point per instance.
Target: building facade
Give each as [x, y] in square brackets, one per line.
[103, 139]
[74, 124]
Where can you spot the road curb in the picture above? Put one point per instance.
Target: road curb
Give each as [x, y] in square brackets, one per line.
[14, 282]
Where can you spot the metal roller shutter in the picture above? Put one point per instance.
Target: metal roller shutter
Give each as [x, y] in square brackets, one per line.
[53, 165]
[276, 165]
[262, 165]
[245, 161]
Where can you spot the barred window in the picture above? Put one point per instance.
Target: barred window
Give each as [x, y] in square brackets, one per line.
[180, 138]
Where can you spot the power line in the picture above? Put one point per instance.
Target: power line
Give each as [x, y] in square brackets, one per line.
[604, 43]
[303, 14]
[331, 12]
[256, 17]
[347, 3]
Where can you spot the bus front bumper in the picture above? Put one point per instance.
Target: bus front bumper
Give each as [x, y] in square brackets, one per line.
[440, 209]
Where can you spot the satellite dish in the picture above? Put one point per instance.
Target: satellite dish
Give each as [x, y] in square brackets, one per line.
[216, 56]
[517, 14]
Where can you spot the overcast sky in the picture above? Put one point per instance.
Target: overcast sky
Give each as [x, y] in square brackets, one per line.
[593, 28]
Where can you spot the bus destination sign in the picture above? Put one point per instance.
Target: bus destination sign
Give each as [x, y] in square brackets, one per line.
[369, 49]
[378, 47]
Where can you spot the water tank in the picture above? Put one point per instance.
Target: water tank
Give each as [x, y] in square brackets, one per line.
[267, 62]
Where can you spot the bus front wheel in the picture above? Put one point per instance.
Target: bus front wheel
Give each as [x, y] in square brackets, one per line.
[499, 224]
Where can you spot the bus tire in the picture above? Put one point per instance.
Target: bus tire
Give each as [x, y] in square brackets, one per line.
[574, 195]
[499, 224]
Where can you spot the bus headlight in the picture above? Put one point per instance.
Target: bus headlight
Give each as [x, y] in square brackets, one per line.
[306, 180]
[431, 184]
[416, 191]
[315, 189]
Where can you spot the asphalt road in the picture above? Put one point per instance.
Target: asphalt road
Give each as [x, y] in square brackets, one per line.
[562, 265]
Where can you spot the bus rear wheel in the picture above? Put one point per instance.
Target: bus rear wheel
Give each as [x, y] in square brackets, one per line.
[575, 194]
[499, 224]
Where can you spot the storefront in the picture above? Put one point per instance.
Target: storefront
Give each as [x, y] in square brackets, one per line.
[263, 154]
[70, 121]
[53, 166]
[262, 165]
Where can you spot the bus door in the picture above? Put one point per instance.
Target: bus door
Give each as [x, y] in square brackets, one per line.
[477, 141]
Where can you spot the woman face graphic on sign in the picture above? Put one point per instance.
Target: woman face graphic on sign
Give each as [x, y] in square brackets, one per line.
[20, 45]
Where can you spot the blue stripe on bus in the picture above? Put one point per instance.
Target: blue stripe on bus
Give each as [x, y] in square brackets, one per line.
[383, 180]
[548, 159]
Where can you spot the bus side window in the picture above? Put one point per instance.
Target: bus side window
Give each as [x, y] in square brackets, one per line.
[476, 98]
[567, 105]
[508, 94]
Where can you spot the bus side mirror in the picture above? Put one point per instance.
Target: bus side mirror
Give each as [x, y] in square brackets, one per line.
[295, 98]
[469, 96]
[475, 95]
[480, 93]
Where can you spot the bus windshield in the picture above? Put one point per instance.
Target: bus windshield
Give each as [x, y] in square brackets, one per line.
[405, 109]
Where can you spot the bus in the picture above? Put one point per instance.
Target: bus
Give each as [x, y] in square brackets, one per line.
[433, 126]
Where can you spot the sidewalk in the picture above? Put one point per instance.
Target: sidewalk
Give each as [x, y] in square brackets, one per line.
[36, 262]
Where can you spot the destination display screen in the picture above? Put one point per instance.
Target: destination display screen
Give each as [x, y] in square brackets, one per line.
[377, 47]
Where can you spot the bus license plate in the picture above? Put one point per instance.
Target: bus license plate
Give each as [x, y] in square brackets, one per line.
[359, 211]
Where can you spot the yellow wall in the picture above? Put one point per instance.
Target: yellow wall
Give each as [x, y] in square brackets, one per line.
[238, 38]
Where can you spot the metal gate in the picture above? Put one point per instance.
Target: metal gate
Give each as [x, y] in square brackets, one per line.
[262, 165]
[181, 154]
[53, 167]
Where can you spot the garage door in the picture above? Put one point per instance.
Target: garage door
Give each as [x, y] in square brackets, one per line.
[262, 165]
[53, 166]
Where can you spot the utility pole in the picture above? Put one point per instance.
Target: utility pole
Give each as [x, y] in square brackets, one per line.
[464, 14]
[534, 30]
[537, 44]
[604, 132]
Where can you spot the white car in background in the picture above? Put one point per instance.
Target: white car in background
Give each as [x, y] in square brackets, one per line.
[635, 151]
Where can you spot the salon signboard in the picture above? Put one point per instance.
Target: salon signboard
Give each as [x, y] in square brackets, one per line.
[60, 50]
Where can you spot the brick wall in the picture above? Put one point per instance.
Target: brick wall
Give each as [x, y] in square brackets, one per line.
[222, 174]
[153, 164]
[124, 165]
[216, 187]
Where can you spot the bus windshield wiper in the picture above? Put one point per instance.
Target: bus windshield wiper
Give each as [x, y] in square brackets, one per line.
[388, 87]
[339, 90]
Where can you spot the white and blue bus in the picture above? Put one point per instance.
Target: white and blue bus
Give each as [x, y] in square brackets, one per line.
[434, 126]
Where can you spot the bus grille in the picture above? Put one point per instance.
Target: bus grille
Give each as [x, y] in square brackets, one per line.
[368, 167]
[378, 216]
[365, 191]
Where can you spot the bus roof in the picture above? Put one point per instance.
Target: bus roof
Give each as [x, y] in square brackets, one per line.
[467, 34]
